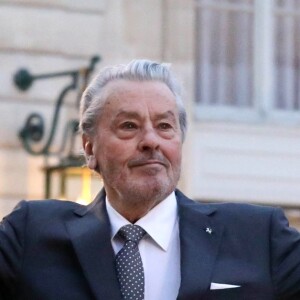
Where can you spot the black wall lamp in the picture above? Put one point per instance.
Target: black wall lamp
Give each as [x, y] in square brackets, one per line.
[32, 134]
[33, 130]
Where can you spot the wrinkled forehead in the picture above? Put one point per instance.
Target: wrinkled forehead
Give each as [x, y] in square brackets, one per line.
[131, 86]
[125, 94]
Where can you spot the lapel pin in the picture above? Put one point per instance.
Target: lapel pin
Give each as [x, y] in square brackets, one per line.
[208, 230]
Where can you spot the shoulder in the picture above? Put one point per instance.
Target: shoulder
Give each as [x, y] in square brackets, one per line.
[33, 220]
[41, 210]
[235, 214]
[245, 209]
[50, 204]
[229, 208]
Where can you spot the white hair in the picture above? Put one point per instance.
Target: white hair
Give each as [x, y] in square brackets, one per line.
[92, 102]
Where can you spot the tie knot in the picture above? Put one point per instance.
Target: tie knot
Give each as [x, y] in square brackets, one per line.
[131, 233]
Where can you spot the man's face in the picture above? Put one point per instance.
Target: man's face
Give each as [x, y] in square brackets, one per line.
[138, 141]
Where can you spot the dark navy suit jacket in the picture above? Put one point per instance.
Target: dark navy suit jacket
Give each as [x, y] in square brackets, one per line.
[61, 250]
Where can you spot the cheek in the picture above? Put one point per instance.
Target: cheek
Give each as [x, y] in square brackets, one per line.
[173, 153]
[114, 153]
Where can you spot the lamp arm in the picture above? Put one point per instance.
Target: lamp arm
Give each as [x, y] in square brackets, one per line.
[33, 130]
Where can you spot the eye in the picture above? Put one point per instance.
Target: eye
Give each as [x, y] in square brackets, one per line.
[165, 126]
[128, 125]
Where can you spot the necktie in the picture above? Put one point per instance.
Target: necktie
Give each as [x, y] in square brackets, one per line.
[129, 263]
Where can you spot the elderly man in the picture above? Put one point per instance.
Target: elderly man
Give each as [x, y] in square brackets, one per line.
[141, 238]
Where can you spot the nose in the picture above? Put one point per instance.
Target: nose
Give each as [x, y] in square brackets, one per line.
[149, 140]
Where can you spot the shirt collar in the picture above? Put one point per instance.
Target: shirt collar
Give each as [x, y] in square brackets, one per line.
[159, 222]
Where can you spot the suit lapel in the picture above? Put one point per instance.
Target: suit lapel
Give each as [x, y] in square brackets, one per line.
[200, 238]
[90, 235]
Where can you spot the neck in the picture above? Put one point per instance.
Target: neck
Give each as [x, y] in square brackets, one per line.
[133, 209]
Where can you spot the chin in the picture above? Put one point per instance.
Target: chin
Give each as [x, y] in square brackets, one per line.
[158, 190]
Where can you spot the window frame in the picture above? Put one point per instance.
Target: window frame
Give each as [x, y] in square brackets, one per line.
[263, 108]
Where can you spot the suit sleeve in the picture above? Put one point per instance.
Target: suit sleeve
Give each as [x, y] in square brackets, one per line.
[285, 257]
[12, 229]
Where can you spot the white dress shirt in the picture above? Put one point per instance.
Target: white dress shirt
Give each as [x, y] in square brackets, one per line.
[159, 249]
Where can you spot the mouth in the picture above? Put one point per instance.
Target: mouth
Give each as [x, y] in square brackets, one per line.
[147, 162]
[150, 162]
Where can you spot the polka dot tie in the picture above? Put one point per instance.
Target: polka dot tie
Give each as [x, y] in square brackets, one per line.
[129, 263]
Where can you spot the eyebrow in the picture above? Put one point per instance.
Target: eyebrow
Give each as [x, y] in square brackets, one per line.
[133, 114]
[128, 114]
[166, 115]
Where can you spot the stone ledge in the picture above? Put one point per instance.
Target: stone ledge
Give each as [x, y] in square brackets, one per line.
[87, 6]
[33, 29]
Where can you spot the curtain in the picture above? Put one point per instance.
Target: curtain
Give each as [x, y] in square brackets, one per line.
[287, 55]
[224, 54]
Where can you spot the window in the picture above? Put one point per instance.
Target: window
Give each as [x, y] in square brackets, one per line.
[247, 59]
[287, 55]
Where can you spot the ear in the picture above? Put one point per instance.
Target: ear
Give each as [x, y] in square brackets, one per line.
[87, 145]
